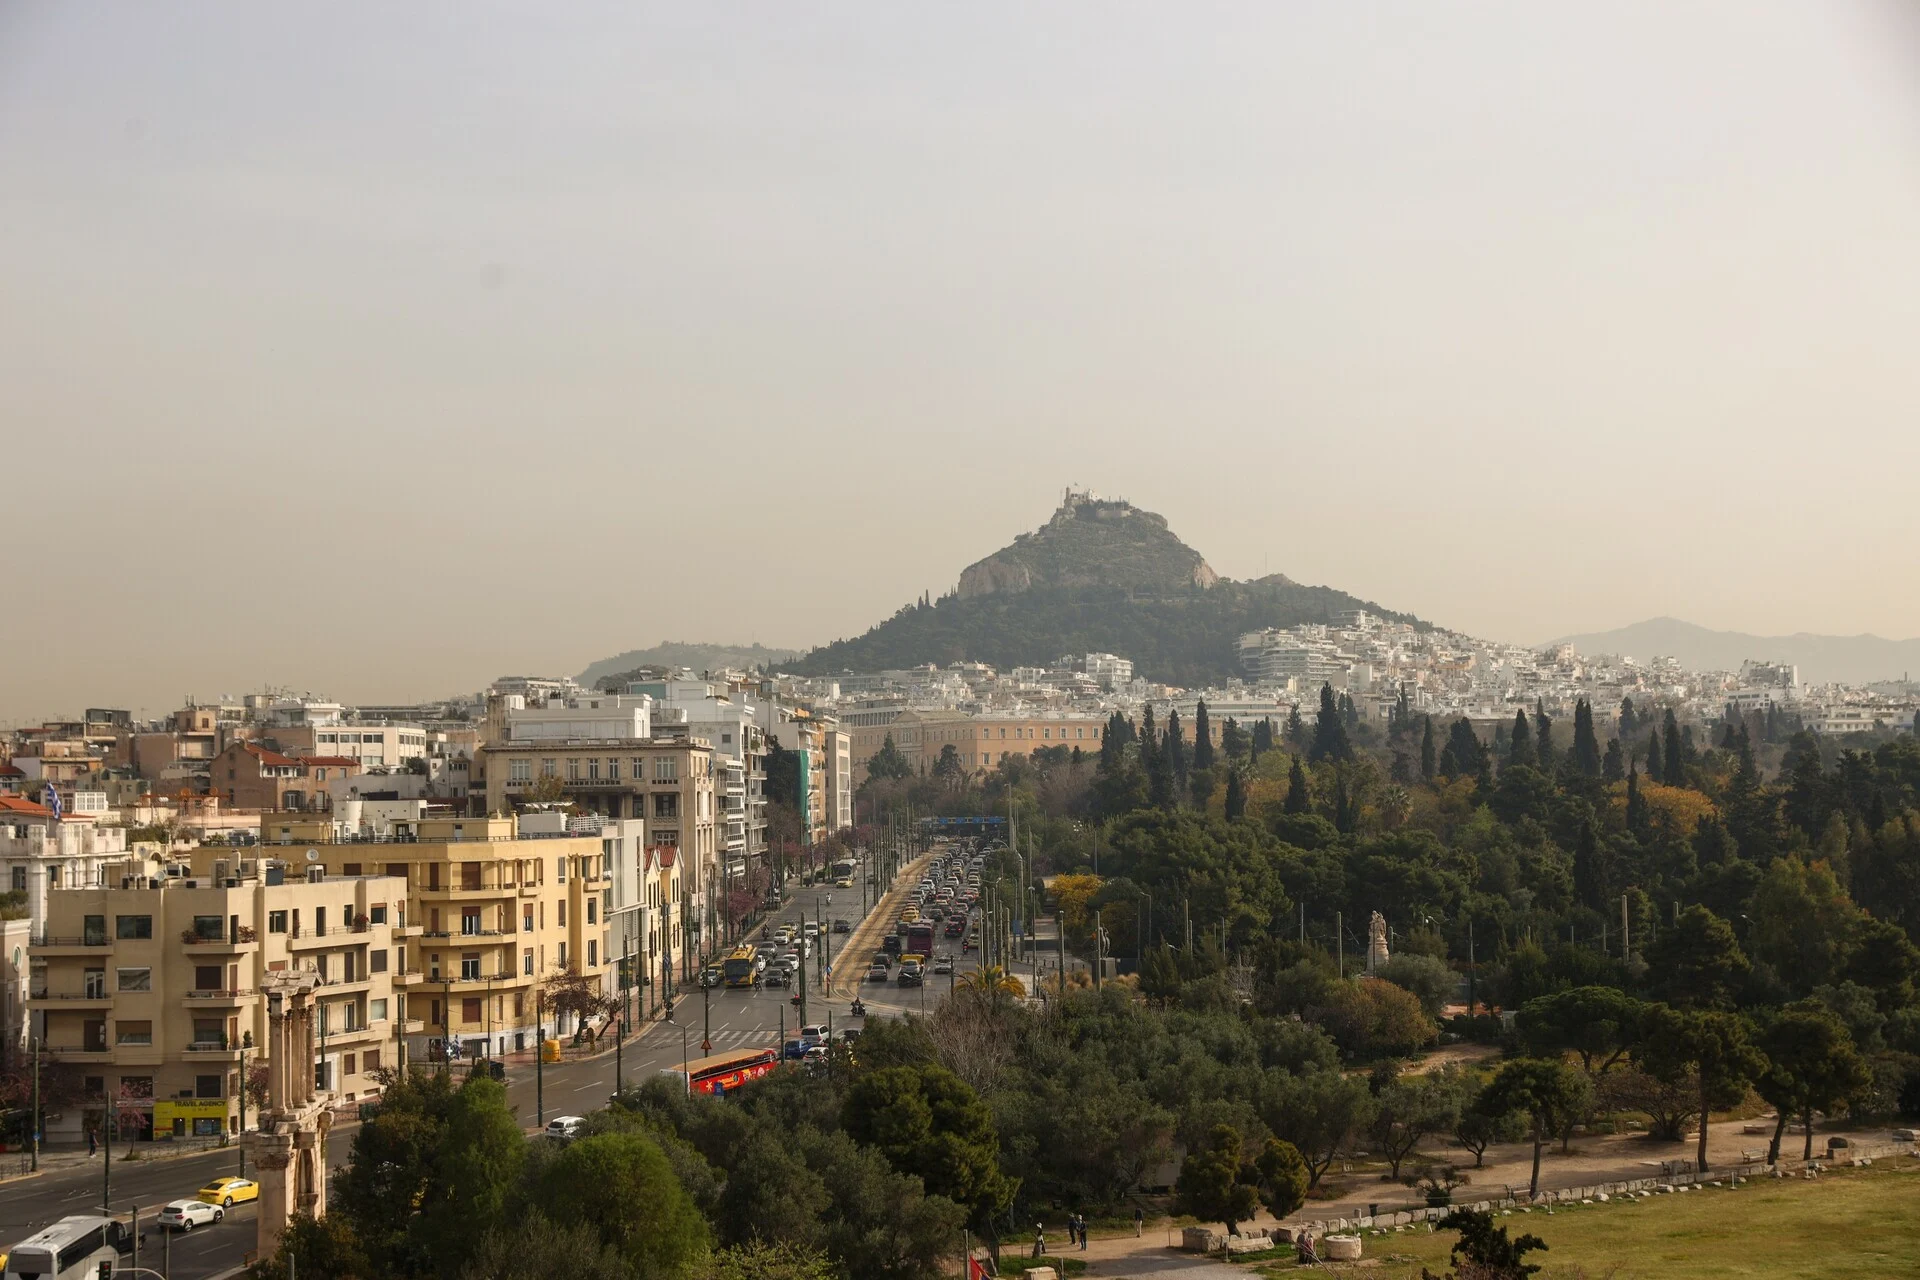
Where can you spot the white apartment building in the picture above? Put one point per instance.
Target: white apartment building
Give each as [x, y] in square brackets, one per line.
[38, 852]
[1109, 670]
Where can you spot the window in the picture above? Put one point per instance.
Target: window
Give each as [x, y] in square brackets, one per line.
[350, 1066]
[593, 769]
[276, 922]
[563, 955]
[470, 1009]
[94, 930]
[591, 904]
[469, 875]
[208, 1086]
[563, 914]
[94, 1086]
[526, 920]
[520, 771]
[377, 913]
[560, 870]
[127, 1032]
[434, 1016]
[547, 769]
[133, 927]
[371, 1060]
[519, 1004]
[526, 962]
[377, 960]
[613, 769]
[666, 769]
[351, 869]
[593, 952]
[470, 964]
[133, 980]
[470, 921]
[323, 1075]
[19, 879]
[666, 805]
[573, 768]
[376, 1010]
[206, 977]
[96, 980]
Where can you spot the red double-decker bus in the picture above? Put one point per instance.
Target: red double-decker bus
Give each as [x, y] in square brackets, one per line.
[725, 1072]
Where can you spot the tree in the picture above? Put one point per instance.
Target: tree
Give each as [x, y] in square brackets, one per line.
[1811, 1066]
[1236, 796]
[1431, 980]
[1710, 1048]
[1676, 755]
[1283, 1177]
[474, 1174]
[1427, 759]
[1412, 1108]
[1600, 1024]
[1173, 748]
[1629, 720]
[1211, 1188]
[317, 1247]
[1548, 1092]
[1202, 738]
[1317, 1112]
[1296, 730]
[1655, 769]
[1298, 800]
[1586, 746]
[1542, 737]
[1484, 1252]
[568, 991]
[1233, 740]
[622, 1185]
[1329, 731]
[1802, 923]
[889, 763]
[1520, 742]
[1613, 767]
[927, 1121]
[1476, 1130]
[1697, 961]
[757, 1261]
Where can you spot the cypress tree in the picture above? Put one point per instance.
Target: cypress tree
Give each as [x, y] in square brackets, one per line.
[1655, 771]
[1542, 737]
[1236, 796]
[1405, 709]
[1590, 885]
[1629, 721]
[1637, 815]
[1586, 747]
[1427, 762]
[1329, 731]
[1349, 714]
[1296, 729]
[1727, 741]
[1614, 767]
[1674, 756]
[1469, 754]
[1202, 738]
[1298, 801]
[1519, 742]
[1174, 747]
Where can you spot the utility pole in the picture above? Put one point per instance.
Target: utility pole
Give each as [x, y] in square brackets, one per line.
[246, 1042]
[33, 1043]
[1340, 941]
[1626, 941]
[706, 1011]
[802, 975]
[1470, 967]
[539, 1059]
[1098, 962]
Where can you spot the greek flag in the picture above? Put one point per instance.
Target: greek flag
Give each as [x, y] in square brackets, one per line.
[53, 801]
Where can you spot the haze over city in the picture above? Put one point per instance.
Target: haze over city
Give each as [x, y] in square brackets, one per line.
[378, 351]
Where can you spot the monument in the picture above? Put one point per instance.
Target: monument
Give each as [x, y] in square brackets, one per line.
[289, 1149]
[1376, 942]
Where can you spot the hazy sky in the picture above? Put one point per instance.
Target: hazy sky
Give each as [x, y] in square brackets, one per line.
[379, 349]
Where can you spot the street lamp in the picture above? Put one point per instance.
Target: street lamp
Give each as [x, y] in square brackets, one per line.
[246, 1043]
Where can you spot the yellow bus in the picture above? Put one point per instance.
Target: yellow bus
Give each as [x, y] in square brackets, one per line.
[739, 966]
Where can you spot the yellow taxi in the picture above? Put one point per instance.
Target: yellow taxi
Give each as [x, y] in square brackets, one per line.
[227, 1192]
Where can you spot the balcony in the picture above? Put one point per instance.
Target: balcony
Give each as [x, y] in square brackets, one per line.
[218, 999]
[406, 977]
[203, 944]
[92, 944]
[79, 1053]
[212, 1051]
[53, 1000]
[407, 931]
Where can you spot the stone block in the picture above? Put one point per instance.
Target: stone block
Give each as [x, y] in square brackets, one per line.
[1195, 1240]
[1340, 1248]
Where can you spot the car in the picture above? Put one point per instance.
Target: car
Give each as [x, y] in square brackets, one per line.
[790, 962]
[847, 1035]
[910, 975]
[878, 973]
[813, 1032]
[943, 965]
[227, 1192]
[810, 929]
[565, 1126]
[842, 926]
[712, 976]
[844, 882]
[185, 1215]
[777, 976]
[794, 1049]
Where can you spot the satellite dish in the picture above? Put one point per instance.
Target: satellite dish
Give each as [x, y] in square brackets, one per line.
[313, 855]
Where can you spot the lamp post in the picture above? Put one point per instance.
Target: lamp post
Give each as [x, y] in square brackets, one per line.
[246, 1043]
[539, 1059]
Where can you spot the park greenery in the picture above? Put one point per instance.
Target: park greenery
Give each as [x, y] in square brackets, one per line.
[1676, 929]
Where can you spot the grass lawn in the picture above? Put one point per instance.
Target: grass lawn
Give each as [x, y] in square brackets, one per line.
[1852, 1224]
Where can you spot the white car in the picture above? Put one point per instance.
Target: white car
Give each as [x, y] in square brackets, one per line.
[565, 1126]
[813, 1033]
[185, 1215]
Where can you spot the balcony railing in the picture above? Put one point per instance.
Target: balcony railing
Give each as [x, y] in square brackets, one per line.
[236, 993]
[226, 938]
[89, 940]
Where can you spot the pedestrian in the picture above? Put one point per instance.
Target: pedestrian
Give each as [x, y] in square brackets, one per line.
[1080, 1228]
[1139, 1220]
[1039, 1241]
[93, 1144]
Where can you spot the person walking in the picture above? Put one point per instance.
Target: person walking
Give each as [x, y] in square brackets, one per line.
[1080, 1229]
[1139, 1221]
[93, 1144]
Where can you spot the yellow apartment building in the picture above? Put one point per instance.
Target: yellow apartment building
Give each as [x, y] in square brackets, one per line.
[496, 911]
[147, 990]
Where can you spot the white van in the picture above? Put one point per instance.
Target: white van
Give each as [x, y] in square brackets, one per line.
[565, 1126]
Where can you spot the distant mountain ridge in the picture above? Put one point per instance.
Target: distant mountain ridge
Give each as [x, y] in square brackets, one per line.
[1099, 576]
[696, 657]
[1860, 659]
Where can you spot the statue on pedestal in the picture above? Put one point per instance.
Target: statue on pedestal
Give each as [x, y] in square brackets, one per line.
[1376, 942]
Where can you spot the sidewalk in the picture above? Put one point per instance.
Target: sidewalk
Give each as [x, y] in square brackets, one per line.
[56, 1158]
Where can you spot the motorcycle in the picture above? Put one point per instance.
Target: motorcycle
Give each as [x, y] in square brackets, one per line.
[859, 1009]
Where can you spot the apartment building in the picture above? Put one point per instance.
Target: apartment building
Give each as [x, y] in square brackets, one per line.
[250, 776]
[497, 910]
[372, 744]
[148, 989]
[980, 740]
[39, 852]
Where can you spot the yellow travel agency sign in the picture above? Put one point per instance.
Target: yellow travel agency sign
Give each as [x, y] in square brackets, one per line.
[190, 1117]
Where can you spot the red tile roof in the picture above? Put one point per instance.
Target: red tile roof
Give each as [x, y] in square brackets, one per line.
[24, 807]
[344, 762]
[267, 757]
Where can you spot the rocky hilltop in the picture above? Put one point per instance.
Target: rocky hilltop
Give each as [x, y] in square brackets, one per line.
[1091, 542]
[1099, 576]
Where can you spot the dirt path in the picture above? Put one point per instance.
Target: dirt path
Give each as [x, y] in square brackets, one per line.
[865, 940]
